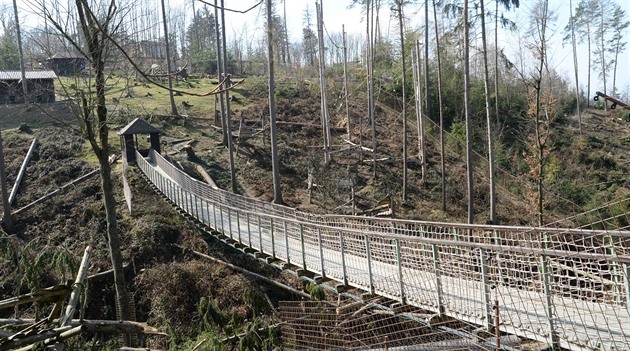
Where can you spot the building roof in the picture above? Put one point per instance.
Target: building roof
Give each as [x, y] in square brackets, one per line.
[67, 55]
[138, 126]
[17, 75]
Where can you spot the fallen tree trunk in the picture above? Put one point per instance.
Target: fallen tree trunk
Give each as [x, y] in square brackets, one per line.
[58, 191]
[20, 175]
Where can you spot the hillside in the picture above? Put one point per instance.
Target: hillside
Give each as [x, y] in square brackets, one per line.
[192, 299]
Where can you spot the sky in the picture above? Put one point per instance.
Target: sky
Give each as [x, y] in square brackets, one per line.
[338, 13]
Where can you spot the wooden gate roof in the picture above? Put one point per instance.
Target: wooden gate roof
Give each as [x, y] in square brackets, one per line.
[138, 126]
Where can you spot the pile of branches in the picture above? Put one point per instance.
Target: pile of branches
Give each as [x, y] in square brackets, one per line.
[54, 330]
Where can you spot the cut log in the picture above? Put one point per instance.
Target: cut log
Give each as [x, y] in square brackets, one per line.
[207, 177]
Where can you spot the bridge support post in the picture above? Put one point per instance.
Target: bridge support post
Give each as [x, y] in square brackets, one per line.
[626, 279]
[229, 222]
[260, 245]
[544, 271]
[321, 251]
[249, 231]
[196, 207]
[286, 240]
[205, 209]
[273, 241]
[221, 217]
[238, 227]
[438, 279]
[214, 215]
[368, 253]
[302, 244]
[191, 203]
[486, 290]
[343, 259]
[403, 298]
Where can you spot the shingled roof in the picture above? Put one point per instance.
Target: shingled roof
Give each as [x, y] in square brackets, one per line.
[138, 126]
[17, 75]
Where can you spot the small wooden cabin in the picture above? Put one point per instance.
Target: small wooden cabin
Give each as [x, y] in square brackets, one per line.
[40, 86]
[130, 143]
[67, 64]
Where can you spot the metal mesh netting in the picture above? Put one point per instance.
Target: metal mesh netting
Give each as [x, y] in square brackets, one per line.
[562, 285]
[366, 325]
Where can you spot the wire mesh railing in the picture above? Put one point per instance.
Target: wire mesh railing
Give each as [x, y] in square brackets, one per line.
[566, 287]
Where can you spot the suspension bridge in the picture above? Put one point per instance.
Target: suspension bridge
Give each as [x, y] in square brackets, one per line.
[567, 288]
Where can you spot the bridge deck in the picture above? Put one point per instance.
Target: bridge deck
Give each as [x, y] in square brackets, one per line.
[462, 281]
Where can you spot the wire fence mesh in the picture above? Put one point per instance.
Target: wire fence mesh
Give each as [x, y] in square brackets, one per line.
[568, 287]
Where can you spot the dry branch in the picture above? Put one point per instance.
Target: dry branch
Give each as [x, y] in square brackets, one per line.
[97, 325]
[44, 295]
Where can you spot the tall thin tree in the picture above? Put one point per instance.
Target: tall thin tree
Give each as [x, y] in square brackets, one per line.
[619, 25]
[345, 82]
[322, 82]
[575, 66]
[401, 26]
[275, 163]
[370, 76]
[422, 149]
[468, 112]
[441, 106]
[168, 62]
[220, 73]
[486, 83]
[21, 52]
[427, 80]
[228, 115]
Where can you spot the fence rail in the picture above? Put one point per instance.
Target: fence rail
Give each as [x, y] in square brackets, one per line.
[566, 287]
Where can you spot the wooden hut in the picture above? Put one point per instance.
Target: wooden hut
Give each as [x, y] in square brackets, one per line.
[129, 139]
[40, 86]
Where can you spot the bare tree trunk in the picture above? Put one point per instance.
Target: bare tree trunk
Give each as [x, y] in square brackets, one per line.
[168, 62]
[496, 61]
[439, 79]
[345, 81]
[486, 82]
[322, 83]
[401, 25]
[228, 115]
[277, 190]
[98, 136]
[575, 66]
[427, 81]
[370, 77]
[224, 123]
[286, 34]
[469, 165]
[602, 54]
[194, 19]
[21, 52]
[422, 150]
[588, 71]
